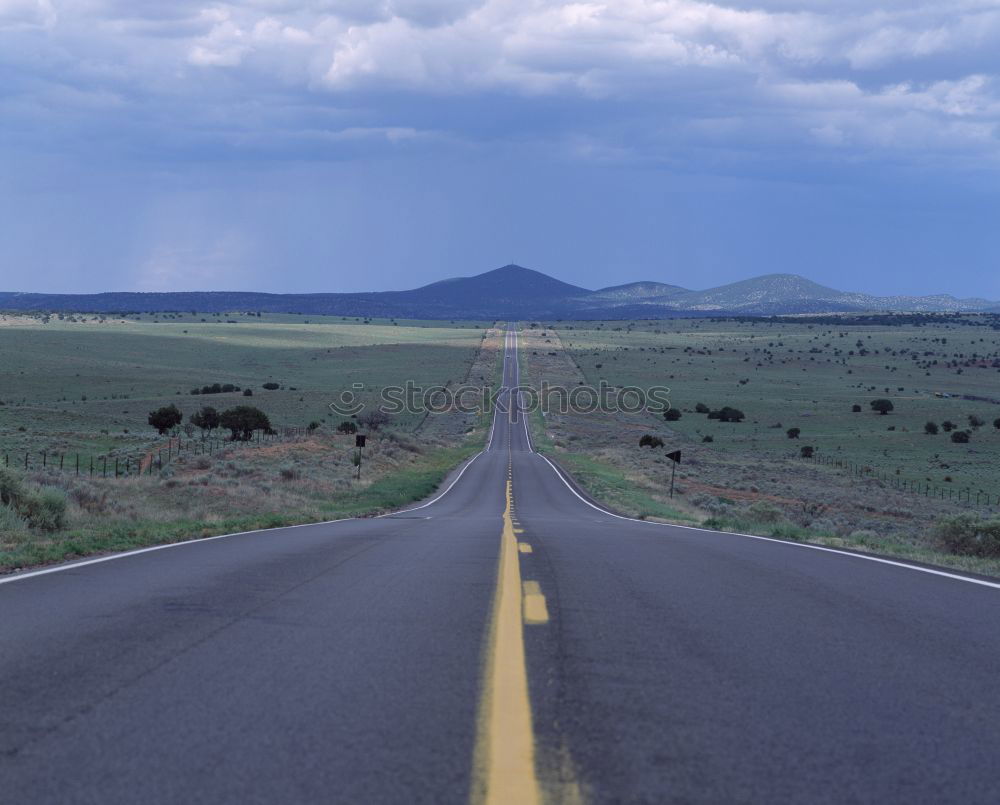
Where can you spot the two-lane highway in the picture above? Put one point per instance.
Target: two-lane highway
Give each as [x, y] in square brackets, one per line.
[508, 641]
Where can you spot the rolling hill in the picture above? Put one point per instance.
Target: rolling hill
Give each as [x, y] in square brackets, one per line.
[517, 292]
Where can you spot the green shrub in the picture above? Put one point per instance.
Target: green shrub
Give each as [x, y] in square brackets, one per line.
[45, 510]
[764, 512]
[11, 489]
[12, 525]
[969, 535]
[648, 440]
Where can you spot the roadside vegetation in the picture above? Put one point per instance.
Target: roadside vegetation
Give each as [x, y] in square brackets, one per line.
[81, 388]
[757, 405]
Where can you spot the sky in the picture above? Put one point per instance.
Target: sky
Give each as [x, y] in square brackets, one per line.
[351, 145]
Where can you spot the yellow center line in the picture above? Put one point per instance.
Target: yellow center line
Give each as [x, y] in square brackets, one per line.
[535, 610]
[505, 746]
[524, 547]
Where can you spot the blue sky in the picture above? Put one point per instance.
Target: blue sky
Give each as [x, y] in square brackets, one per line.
[343, 145]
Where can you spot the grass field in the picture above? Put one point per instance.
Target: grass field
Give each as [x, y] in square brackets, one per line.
[750, 476]
[87, 384]
[808, 376]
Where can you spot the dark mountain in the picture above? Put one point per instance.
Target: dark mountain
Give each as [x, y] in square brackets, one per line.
[516, 292]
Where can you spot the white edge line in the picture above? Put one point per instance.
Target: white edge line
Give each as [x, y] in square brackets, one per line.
[84, 562]
[434, 500]
[787, 543]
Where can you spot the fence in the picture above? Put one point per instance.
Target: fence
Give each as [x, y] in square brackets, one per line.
[963, 495]
[139, 462]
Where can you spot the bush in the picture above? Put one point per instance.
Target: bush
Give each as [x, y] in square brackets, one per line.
[856, 409]
[948, 425]
[46, 510]
[11, 489]
[960, 437]
[930, 428]
[764, 512]
[313, 425]
[727, 414]
[969, 535]
[701, 408]
[271, 386]
[883, 406]
[806, 451]
[996, 423]
[650, 441]
[347, 427]
[12, 525]
[793, 433]
[290, 473]
[708, 438]
[975, 421]
[243, 420]
[165, 418]
[672, 414]
[248, 392]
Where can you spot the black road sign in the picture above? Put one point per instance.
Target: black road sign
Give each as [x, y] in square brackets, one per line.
[675, 456]
[359, 440]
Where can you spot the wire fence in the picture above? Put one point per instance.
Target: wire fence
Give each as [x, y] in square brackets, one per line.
[138, 461]
[966, 495]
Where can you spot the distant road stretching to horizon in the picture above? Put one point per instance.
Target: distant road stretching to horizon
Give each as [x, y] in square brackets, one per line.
[506, 641]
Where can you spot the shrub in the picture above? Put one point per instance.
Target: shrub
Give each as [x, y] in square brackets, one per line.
[975, 421]
[948, 425]
[248, 392]
[650, 441]
[347, 427]
[290, 473]
[969, 535]
[856, 409]
[883, 406]
[701, 408]
[271, 386]
[930, 428]
[11, 489]
[996, 423]
[243, 420]
[793, 433]
[727, 414]
[764, 512]
[960, 436]
[165, 418]
[12, 524]
[806, 451]
[313, 425]
[672, 414]
[708, 438]
[46, 510]
[373, 419]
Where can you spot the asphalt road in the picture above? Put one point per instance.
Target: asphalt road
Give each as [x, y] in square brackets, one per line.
[507, 641]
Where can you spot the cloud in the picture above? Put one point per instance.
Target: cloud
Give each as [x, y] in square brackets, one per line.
[741, 77]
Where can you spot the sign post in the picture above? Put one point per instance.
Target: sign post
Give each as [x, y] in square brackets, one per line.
[359, 442]
[675, 457]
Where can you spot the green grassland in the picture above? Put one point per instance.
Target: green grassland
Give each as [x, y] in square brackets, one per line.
[809, 375]
[89, 385]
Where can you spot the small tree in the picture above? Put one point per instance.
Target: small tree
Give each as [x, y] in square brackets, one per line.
[931, 428]
[271, 386]
[793, 433]
[948, 425]
[347, 427]
[649, 440]
[373, 419]
[975, 421]
[806, 451]
[856, 409]
[207, 419]
[996, 423]
[883, 406]
[165, 418]
[672, 414]
[243, 420]
[701, 408]
[960, 437]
